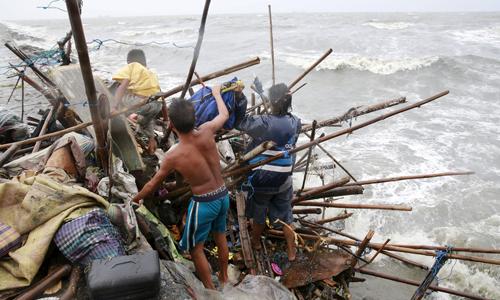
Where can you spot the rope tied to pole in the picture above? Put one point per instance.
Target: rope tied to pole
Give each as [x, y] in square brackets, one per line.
[440, 260]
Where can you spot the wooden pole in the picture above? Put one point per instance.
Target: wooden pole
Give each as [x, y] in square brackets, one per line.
[88, 79]
[354, 206]
[38, 288]
[319, 190]
[201, 32]
[297, 89]
[416, 283]
[272, 42]
[409, 177]
[44, 129]
[338, 133]
[317, 62]
[340, 191]
[246, 245]
[331, 157]
[356, 112]
[299, 211]
[22, 99]
[169, 93]
[387, 253]
[253, 153]
[313, 133]
[333, 219]
[362, 247]
[4, 157]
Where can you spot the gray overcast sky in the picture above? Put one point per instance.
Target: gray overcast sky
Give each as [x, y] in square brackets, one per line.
[27, 9]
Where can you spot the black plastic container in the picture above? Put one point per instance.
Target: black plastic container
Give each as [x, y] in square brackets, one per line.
[125, 277]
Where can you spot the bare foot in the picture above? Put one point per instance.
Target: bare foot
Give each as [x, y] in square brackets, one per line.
[223, 279]
[292, 252]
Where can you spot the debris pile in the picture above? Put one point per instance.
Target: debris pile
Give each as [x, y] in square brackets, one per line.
[69, 228]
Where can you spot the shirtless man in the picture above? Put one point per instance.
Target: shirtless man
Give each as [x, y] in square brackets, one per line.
[196, 158]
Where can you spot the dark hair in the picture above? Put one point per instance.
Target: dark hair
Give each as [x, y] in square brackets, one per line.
[281, 101]
[136, 55]
[181, 113]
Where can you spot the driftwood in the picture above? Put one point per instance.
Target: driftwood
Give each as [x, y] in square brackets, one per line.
[362, 247]
[408, 177]
[298, 211]
[340, 191]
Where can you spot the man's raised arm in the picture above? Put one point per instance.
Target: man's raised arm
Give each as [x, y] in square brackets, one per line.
[223, 115]
[155, 182]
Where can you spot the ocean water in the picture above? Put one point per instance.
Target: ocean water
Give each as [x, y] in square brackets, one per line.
[376, 57]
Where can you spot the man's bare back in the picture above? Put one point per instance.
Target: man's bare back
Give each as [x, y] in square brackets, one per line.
[196, 158]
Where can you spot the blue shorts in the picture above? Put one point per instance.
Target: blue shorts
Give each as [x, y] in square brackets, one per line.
[202, 218]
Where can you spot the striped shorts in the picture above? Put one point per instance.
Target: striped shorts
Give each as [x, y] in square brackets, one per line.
[202, 218]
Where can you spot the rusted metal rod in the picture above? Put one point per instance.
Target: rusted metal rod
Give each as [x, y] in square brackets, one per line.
[197, 48]
[317, 62]
[338, 133]
[88, 79]
[416, 283]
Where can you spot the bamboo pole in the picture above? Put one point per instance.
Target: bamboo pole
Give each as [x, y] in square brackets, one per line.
[362, 247]
[169, 93]
[201, 33]
[299, 211]
[38, 288]
[4, 157]
[333, 219]
[44, 129]
[354, 206]
[376, 254]
[317, 62]
[332, 158]
[376, 246]
[272, 42]
[309, 152]
[415, 283]
[356, 112]
[252, 153]
[302, 196]
[88, 79]
[338, 133]
[340, 191]
[297, 89]
[454, 249]
[390, 254]
[409, 177]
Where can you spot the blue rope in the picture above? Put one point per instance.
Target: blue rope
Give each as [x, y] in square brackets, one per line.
[439, 262]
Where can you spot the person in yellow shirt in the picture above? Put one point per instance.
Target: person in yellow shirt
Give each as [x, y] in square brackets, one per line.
[137, 83]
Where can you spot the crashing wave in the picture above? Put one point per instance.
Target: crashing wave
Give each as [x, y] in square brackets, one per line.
[374, 65]
[389, 25]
